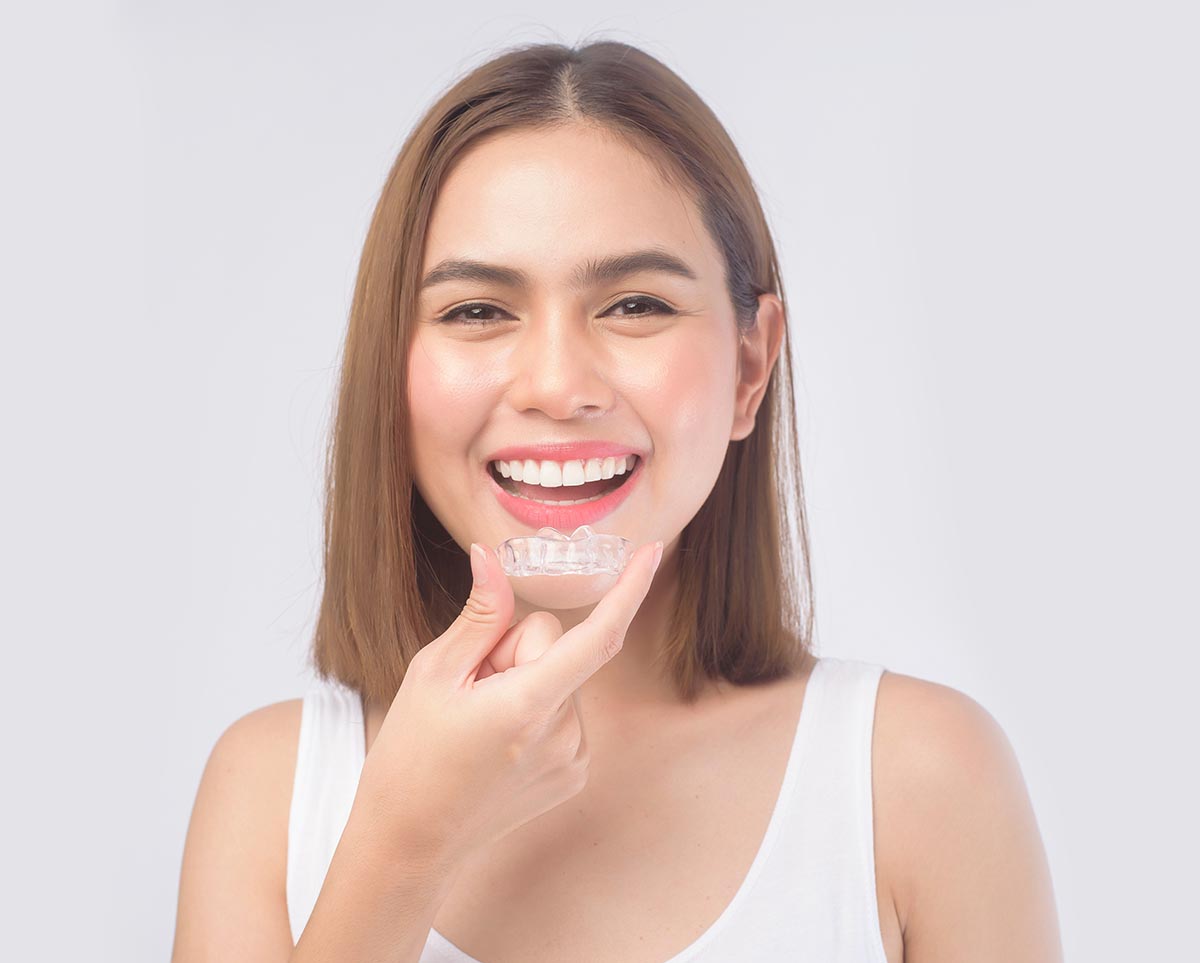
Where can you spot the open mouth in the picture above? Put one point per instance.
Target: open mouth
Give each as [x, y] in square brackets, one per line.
[564, 494]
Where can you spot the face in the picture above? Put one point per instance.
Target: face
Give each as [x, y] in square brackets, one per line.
[648, 360]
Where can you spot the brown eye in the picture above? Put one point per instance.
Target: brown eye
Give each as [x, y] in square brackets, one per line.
[655, 306]
[475, 314]
[469, 314]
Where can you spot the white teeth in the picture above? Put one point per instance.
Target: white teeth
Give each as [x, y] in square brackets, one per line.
[573, 473]
[554, 474]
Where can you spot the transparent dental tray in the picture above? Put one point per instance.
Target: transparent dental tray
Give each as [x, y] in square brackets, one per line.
[550, 552]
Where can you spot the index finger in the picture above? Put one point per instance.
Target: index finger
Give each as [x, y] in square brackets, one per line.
[582, 650]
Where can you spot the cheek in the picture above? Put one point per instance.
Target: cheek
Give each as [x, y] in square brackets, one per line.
[692, 405]
[693, 394]
[441, 385]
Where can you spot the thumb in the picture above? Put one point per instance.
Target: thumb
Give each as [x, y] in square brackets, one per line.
[484, 618]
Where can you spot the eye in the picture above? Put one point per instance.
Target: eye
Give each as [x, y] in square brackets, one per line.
[656, 306]
[473, 318]
[452, 316]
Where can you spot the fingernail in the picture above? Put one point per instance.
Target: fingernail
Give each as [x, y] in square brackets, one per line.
[478, 564]
[657, 556]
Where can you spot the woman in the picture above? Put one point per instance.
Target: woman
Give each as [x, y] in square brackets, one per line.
[568, 274]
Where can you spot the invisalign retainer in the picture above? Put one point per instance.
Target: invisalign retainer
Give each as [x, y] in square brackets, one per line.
[550, 552]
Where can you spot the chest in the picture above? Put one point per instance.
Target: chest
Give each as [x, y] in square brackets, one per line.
[633, 873]
[642, 862]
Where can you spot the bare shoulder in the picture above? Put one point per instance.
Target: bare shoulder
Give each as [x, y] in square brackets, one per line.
[253, 764]
[251, 768]
[273, 724]
[956, 835]
[232, 896]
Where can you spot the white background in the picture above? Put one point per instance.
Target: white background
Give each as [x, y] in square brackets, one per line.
[987, 221]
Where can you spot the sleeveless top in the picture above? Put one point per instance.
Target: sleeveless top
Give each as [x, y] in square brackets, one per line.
[809, 893]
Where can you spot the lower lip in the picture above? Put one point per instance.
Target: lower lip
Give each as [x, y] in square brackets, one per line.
[569, 517]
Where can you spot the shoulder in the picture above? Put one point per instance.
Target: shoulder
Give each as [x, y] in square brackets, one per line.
[936, 728]
[271, 727]
[253, 765]
[233, 879]
[254, 760]
[246, 787]
[956, 834]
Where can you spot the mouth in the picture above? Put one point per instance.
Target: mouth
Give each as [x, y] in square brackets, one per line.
[564, 507]
[565, 495]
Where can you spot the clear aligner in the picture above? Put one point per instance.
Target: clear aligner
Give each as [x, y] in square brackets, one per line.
[550, 552]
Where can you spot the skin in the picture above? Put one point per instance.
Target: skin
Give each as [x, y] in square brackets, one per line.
[553, 363]
[961, 872]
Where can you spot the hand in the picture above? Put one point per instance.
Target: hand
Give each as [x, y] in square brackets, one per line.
[485, 732]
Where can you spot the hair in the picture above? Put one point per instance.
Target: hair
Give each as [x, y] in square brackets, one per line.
[394, 578]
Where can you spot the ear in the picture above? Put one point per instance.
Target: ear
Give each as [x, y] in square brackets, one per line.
[758, 350]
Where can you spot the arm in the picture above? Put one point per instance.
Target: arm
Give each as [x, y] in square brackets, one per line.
[376, 903]
[232, 905]
[971, 877]
[373, 906]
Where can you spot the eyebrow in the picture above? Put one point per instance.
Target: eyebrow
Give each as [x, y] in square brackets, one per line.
[589, 273]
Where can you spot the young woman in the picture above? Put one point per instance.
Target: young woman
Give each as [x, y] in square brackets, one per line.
[569, 293]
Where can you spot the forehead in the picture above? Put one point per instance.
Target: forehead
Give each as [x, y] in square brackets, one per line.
[546, 201]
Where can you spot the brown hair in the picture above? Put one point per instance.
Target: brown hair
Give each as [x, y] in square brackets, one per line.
[394, 578]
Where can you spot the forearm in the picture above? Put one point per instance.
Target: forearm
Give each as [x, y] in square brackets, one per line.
[376, 904]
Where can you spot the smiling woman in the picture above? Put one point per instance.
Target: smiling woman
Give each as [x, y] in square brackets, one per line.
[568, 283]
[567, 261]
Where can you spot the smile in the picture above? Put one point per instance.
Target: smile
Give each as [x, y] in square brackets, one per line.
[563, 513]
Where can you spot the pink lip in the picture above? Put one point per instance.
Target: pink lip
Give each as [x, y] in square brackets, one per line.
[566, 451]
[569, 518]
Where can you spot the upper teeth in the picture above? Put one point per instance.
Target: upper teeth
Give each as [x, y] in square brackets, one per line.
[560, 474]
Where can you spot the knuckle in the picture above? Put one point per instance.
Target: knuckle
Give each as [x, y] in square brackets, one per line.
[611, 640]
[523, 713]
[478, 610]
[571, 750]
[521, 736]
[524, 706]
[421, 663]
[546, 621]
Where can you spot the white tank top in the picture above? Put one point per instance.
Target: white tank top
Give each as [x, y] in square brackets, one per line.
[809, 894]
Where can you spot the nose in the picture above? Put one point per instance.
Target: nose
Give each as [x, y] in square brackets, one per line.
[560, 367]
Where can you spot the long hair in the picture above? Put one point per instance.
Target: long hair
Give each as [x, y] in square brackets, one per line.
[394, 578]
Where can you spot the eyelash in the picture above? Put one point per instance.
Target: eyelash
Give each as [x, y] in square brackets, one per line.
[450, 316]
